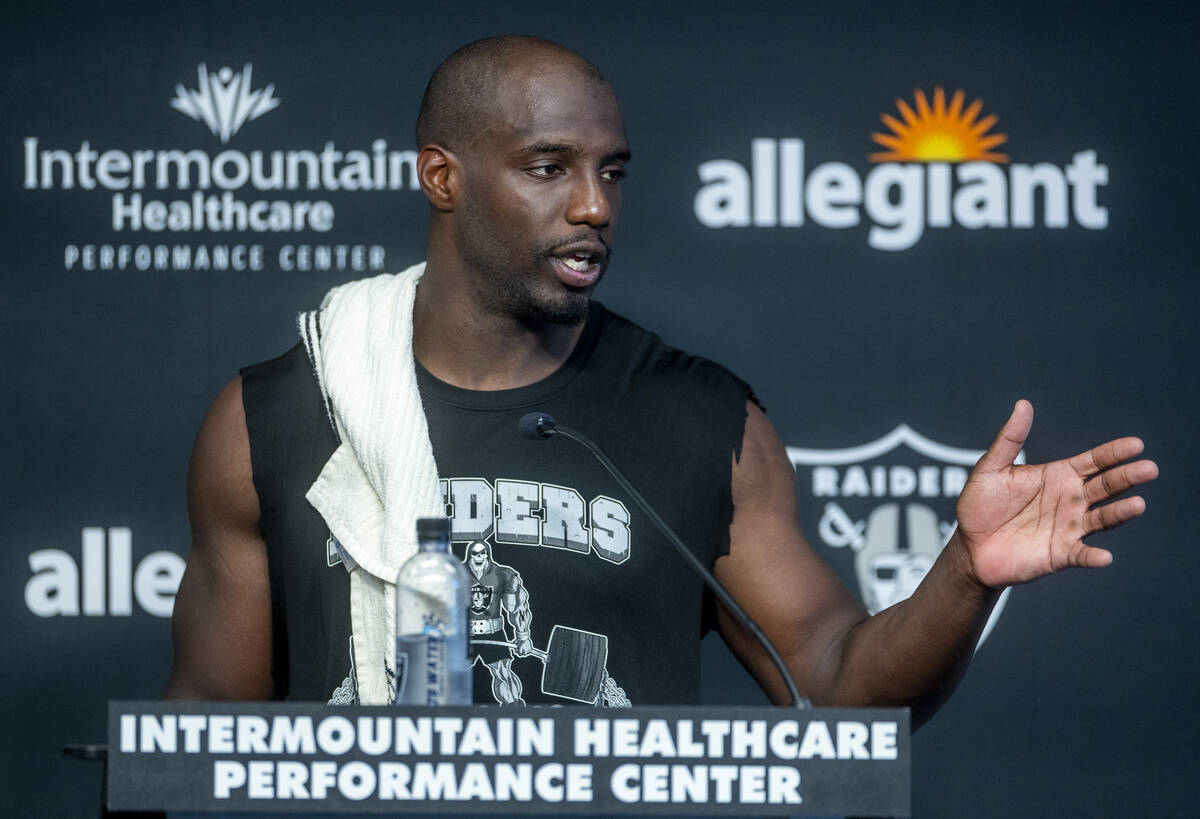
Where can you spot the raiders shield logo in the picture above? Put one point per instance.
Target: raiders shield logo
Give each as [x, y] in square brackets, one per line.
[481, 598]
[881, 513]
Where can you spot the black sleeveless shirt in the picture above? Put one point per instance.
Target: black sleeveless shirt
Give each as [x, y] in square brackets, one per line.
[562, 562]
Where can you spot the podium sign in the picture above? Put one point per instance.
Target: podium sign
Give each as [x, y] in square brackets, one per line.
[308, 758]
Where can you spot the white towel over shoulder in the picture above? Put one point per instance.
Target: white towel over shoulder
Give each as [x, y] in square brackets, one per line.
[382, 477]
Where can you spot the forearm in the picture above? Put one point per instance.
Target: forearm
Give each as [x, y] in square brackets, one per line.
[915, 652]
[519, 614]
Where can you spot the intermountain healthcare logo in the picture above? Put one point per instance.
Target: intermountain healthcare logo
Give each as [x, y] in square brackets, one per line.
[224, 101]
[886, 510]
[939, 171]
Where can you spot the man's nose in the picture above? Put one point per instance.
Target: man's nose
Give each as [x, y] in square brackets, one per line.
[589, 203]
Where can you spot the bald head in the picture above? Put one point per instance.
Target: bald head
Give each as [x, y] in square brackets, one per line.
[522, 149]
[464, 89]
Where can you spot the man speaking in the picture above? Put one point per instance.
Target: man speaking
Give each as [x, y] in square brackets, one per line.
[403, 399]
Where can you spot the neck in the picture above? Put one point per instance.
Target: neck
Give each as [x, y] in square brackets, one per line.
[463, 344]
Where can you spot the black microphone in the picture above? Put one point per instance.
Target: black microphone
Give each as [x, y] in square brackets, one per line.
[541, 425]
[536, 426]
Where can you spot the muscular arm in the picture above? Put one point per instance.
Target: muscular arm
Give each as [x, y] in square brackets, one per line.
[1015, 523]
[912, 654]
[221, 625]
[516, 603]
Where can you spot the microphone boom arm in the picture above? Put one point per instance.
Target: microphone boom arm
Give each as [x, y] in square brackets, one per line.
[546, 426]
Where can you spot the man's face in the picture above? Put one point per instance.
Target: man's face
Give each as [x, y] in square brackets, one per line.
[542, 194]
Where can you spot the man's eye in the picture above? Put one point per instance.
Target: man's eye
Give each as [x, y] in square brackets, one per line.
[546, 170]
[613, 174]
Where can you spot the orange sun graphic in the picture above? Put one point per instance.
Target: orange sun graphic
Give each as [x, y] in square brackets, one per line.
[939, 133]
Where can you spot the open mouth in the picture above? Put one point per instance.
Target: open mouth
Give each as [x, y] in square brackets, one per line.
[580, 268]
[581, 262]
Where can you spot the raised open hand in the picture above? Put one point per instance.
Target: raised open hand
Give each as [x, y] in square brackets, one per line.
[1019, 522]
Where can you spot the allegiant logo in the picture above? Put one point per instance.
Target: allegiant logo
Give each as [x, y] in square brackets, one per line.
[939, 170]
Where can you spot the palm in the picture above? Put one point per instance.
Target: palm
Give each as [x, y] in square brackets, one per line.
[1021, 522]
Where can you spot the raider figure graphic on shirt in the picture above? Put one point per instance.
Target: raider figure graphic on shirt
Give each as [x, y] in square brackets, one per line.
[498, 589]
[573, 664]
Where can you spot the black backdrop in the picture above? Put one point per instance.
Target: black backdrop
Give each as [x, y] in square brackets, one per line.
[1080, 701]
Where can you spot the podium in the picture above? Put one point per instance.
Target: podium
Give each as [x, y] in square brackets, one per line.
[309, 758]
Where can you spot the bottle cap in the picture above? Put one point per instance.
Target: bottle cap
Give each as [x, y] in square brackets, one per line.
[433, 528]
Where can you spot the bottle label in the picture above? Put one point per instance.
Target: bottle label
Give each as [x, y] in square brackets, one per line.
[435, 660]
[423, 664]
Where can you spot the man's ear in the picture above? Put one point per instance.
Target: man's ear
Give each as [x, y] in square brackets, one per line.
[440, 175]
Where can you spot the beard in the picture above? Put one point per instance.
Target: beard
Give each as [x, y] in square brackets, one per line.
[513, 284]
[524, 298]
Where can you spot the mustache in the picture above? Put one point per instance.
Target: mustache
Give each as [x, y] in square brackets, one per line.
[551, 248]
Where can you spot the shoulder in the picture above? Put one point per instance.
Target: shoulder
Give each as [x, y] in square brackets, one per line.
[645, 358]
[292, 364]
[289, 428]
[762, 473]
[220, 482]
[285, 388]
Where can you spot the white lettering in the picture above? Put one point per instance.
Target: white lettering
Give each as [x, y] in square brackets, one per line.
[817, 742]
[157, 734]
[748, 739]
[220, 734]
[900, 200]
[356, 780]
[762, 164]
[883, 740]
[591, 737]
[979, 203]
[548, 782]
[227, 777]
[563, 526]
[724, 200]
[832, 194]
[610, 529]
[261, 782]
[657, 739]
[899, 225]
[292, 736]
[852, 740]
[374, 735]
[156, 581]
[290, 780]
[54, 588]
[1085, 176]
[624, 783]
[251, 734]
[335, 735]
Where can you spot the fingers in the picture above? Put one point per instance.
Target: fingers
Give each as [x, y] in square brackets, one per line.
[1102, 457]
[1113, 514]
[1112, 482]
[1089, 557]
[1008, 443]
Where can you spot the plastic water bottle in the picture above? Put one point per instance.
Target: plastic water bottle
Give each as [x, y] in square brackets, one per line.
[432, 596]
